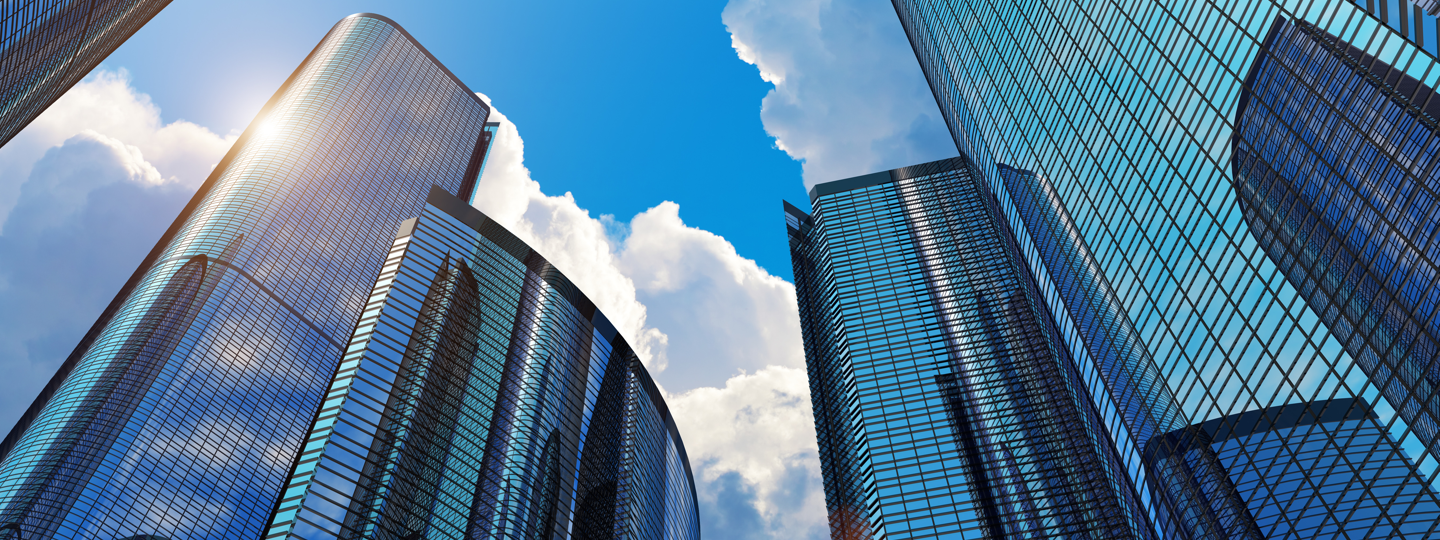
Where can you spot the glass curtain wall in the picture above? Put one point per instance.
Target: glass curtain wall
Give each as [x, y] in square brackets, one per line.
[944, 402]
[1120, 117]
[46, 46]
[483, 396]
[180, 414]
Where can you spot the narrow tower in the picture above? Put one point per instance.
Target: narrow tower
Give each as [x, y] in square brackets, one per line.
[944, 400]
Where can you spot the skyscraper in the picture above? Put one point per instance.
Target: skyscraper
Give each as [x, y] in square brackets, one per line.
[1102, 135]
[46, 46]
[1335, 157]
[181, 411]
[947, 404]
[484, 396]
[933, 366]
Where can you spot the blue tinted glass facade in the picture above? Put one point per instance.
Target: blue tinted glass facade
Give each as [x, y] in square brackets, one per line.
[483, 396]
[944, 402]
[46, 46]
[1106, 136]
[1343, 199]
[1192, 491]
[1320, 470]
[895, 273]
[180, 414]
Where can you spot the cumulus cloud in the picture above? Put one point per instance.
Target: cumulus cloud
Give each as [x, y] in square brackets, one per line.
[84, 192]
[752, 447]
[567, 236]
[722, 312]
[849, 97]
[89, 211]
[720, 335]
[105, 103]
[731, 314]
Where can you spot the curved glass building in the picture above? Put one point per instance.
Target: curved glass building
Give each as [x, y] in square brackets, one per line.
[483, 396]
[1226, 222]
[46, 46]
[1318, 470]
[180, 413]
[1335, 160]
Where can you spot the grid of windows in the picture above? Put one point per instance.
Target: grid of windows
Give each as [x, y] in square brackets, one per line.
[483, 396]
[1126, 110]
[46, 46]
[931, 357]
[1321, 470]
[1196, 490]
[1344, 201]
[180, 419]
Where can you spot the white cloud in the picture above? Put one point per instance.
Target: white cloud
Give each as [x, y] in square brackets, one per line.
[849, 97]
[718, 330]
[752, 447]
[88, 213]
[722, 312]
[84, 192]
[567, 236]
[105, 103]
[733, 315]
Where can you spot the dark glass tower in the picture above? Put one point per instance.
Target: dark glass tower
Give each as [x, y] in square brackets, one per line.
[46, 46]
[180, 413]
[1335, 156]
[944, 402]
[483, 396]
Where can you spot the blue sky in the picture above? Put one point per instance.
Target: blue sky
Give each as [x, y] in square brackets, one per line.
[624, 104]
[646, 149]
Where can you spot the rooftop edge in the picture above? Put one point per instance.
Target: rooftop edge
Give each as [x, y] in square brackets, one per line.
[865, 180]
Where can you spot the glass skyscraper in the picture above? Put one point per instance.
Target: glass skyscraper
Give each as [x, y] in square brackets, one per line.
[946, 406]
[255, 378]
[180, 413]
[46, 46]
[483, 396]
[1108, 139]
[237, 386]
[933, 366]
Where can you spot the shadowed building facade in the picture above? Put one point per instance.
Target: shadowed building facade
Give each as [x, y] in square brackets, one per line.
[46, 46]
[483, 396]
[181, 411]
